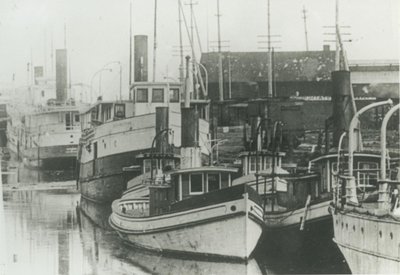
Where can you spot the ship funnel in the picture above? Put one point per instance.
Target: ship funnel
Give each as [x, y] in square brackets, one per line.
[342, 110]
[61, 76]
[162, 122]
[190, 151]
[141, 58]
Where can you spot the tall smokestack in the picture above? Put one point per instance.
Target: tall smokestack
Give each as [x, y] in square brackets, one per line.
[342, 108]
[190, 151]
[162, 122]
[61, 75]
[140, 58]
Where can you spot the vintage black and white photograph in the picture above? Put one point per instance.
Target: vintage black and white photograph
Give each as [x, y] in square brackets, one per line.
[199, 137]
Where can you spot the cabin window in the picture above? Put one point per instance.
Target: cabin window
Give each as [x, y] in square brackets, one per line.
[77, 118]
[68, 122]
[196, 184]
[107, 113]
[158, 95]
[213, 182]
[253, 164]
[367, 178]
[147, 166]
[142, 95]
[266, 163]
[225, 180]
[174, 95]
[42, 93]
[119, 111]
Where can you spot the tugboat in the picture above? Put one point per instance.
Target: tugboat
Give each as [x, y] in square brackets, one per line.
[296, 197]
[191, 209]
[365, 209]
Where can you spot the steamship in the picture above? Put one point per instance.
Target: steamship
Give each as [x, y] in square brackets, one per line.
[116, 135]
[44, 126]
[365, 209]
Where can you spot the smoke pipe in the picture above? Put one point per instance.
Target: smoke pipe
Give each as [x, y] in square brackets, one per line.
[187, 84]
[342, 110]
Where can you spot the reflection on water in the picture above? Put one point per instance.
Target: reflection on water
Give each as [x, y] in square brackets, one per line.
[20, 173]
[47, 233]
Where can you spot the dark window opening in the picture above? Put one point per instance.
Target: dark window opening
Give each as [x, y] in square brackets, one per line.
[119, 111]
[196, 183]
[142, 95]
[213, 182]
[68, 122]
[158, 95]
[174, 95]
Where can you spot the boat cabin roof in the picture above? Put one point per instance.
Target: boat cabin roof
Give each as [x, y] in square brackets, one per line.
[334, 156]
[260, 153]
[205, 169]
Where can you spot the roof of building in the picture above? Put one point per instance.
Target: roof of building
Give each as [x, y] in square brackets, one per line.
[289, 66]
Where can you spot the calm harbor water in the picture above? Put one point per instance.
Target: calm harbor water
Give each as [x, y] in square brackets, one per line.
[54, 232]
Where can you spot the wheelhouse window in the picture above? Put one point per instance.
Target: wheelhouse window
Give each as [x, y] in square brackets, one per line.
[196, 184]
[146, 166]
[174, 95]
[213, 181]
[119, 110]
[142, 95]
[158, 95]
[107, 112]
[253, 163]
[367, 178]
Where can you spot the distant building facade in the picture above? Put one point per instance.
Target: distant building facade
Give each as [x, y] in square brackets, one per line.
[301, 76]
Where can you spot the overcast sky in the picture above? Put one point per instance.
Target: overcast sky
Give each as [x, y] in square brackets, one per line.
[98, 31]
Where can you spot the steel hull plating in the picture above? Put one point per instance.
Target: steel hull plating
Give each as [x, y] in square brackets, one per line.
[201, 231]
[109, 181]
[369, 244]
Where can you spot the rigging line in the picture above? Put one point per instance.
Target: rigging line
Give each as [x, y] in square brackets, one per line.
[197, 32]
[190, 39]
[201, 51]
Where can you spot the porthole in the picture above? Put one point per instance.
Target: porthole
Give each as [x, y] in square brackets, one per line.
[233, 208]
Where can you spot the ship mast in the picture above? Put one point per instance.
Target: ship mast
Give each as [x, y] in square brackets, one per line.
[181, 73]
[220, 75]
[305, 26]
[155, 41]
[130, 45]
[269, 53]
